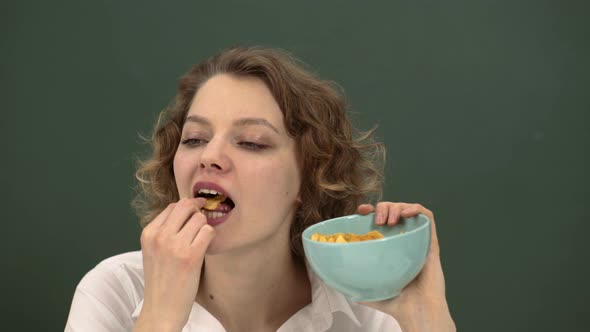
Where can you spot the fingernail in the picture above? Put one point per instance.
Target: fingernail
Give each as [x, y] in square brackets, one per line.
[379, 219]
[395, 218]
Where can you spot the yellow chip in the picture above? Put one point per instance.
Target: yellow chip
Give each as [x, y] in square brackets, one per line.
[375, 234]
[346, 237]
[340, 239]
[213, 202]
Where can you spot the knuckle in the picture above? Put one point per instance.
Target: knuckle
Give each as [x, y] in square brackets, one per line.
[200, 219]
[183, 256]
[183, 202]
[187, 203]
[146, 235]
[206, 233]
[430, 213]
[209, 231]
[160, 240]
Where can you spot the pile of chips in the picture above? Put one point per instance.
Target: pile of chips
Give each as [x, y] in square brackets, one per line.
[346, 237]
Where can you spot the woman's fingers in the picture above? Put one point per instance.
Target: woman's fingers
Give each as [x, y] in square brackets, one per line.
[182, 212]
[203, 238]
[173, 256]
[385, 213]
[381, 213]
[161, 218]
[413, 210]
[365, 209]
[192, 227]
[389, 213]
[394, 211]
[151, 231]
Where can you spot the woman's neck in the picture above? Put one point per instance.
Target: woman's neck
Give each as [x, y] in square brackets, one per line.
[255, 290]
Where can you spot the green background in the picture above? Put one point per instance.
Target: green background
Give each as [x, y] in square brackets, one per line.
[483, 106]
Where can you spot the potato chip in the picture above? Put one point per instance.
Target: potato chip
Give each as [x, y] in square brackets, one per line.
[346, 237]
[213, 202]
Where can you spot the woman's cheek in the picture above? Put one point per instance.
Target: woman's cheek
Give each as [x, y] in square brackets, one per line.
[284, 181]
[182, 167]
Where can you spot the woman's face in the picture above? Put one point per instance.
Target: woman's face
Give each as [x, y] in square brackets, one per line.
[234, 142]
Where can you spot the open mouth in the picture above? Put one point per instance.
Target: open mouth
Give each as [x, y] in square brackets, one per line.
[218, 204]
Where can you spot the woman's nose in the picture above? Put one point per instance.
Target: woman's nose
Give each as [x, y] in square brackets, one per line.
[214, 157]
[212, 165]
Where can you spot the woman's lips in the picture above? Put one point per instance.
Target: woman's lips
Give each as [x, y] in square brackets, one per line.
[209, 186]
[220, 213]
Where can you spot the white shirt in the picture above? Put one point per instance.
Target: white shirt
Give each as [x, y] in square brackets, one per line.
[110, 298]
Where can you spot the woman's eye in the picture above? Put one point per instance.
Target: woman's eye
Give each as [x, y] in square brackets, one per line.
[252, 146]
[193, 141]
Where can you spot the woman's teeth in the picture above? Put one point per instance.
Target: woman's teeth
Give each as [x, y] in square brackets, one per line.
[213, 214]
[209, 191]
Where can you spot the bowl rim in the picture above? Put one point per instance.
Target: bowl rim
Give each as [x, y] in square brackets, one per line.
[395, 236]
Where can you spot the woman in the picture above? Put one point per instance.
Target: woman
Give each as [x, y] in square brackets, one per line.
[273, 144]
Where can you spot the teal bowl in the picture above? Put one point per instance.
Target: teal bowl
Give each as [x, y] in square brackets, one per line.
[369, 270]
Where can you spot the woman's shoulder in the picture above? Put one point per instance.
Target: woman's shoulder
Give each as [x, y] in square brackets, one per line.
[109, 293]
[121, 272]
[132, 259]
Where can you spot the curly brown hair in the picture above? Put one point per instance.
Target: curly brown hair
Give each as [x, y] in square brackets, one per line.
[340, 167]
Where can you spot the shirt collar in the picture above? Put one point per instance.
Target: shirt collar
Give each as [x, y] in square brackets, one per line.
[324, 303]
[198, 317]
[137, 310]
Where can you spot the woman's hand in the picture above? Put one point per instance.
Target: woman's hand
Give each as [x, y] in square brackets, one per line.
[422, 304]
[173, 247]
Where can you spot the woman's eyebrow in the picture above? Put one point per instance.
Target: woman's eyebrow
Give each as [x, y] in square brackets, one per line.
[254, 121]
[238, 122]
[198, 119]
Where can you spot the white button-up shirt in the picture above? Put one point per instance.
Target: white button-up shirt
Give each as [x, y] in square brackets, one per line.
[110, 298]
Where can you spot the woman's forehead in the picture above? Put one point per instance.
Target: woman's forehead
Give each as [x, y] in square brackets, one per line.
[230, 98]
